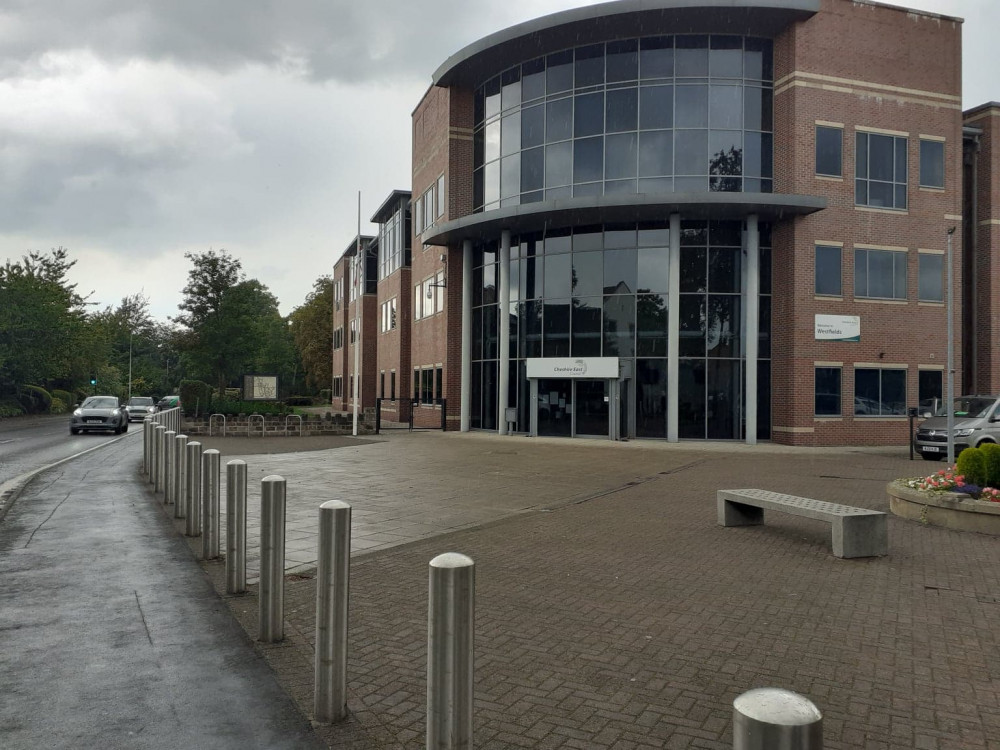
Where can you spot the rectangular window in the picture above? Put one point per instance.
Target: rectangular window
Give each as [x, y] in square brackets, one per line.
[879, 274]
[418, 215]
[931, 164]
[381, 384]
[354, 329]
[827, 392]
[338, 387]
[931, 282]
[427, 386]
[338, 338]
[416, 385]
[418, 302]
[828, 270]
[829, 151]
[439, 292]
[929, 390]
[440, 197]
[392, 385]
[350, 384]
[879, 392]
[880, 171]
[438, 383]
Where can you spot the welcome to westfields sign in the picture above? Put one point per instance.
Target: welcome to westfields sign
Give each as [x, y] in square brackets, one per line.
[573, 367]
[838, 328]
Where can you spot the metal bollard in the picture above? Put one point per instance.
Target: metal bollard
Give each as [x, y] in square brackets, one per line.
[272, 559]
[236, 527]
[767, 718]
[170, 470]
[450, 635]
[333, 577]
[145, 446]
[180, 493]
[192, 511]
[158, 457]
[210, 504]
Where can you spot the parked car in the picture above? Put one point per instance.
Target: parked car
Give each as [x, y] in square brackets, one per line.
[99, 413]
[976, 421]
[168, 402]
[139, 407]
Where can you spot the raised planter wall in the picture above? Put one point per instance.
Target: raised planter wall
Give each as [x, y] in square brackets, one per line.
[313, 424]
[947, 509]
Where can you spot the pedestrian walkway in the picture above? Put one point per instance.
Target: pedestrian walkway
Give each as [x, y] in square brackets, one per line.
[613, 611]
[110, 636]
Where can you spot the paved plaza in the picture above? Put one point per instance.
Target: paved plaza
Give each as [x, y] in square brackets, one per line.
[613, 612]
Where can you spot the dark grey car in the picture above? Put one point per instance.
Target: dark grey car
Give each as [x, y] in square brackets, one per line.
[99, 413]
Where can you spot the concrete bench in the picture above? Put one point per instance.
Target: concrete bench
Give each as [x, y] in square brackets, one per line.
[857, 532]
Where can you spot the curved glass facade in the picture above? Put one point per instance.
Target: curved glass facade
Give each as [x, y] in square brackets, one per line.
[602, 291]
[657, 114]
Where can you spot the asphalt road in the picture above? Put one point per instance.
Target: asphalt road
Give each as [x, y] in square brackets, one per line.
[29, 443]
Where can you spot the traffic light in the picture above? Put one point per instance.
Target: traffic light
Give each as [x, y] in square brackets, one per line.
[93, 380]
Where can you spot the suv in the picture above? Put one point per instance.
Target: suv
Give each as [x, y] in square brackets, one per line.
[139, 406]
[977, 421]
[168, 402]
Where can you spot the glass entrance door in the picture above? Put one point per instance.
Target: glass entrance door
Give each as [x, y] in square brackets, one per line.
[592, 404]
[555, 407]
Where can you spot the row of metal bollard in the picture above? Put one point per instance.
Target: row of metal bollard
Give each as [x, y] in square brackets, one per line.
[763, 718]
[190, 480]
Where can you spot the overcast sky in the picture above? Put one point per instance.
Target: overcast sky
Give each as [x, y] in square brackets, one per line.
[134, 131]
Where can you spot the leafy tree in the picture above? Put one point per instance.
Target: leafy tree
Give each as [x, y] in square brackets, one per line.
[230, 325]
[312, 330]
[41, 319]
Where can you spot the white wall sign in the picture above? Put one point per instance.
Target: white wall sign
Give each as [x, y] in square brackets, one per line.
[838, 328]
[573, 367]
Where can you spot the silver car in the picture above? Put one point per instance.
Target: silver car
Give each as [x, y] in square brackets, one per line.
[99, 413]
[139, 407]
[976, 421]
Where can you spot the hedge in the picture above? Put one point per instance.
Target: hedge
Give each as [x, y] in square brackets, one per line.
[196, 397]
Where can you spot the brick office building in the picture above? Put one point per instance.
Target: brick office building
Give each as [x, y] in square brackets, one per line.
[628, 217]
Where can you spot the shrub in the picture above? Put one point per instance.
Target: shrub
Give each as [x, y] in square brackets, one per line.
[196, 397]
[299, 401]
[10, 407]
[991, 457]
[35, 399]
[65, 396]
[266, 408]
[58, 406]
[972, 465]
[326, 395]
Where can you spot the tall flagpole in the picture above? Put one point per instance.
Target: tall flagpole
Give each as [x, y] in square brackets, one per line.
[358, 281]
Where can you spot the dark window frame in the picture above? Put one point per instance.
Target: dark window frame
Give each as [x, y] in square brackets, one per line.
[863, 180]
[895, 254]
[840, 266]
[830, 129]
[830, 411]
[940, 165]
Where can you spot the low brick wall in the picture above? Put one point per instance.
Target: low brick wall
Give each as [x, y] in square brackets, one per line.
[313, 424]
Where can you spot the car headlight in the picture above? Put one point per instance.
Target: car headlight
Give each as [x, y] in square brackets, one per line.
[77, 413]
[964, 432]
[151, 410]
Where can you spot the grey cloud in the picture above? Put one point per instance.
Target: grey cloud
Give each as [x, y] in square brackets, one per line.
[321, 39]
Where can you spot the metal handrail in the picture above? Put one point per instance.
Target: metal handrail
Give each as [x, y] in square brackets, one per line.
[293, 416]
[250, 419]
[213, 416]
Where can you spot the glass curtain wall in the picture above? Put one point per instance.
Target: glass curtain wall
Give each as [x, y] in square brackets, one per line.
[685, 113]
[602, 291]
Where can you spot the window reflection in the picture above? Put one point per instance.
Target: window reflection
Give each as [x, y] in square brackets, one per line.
[698, 108]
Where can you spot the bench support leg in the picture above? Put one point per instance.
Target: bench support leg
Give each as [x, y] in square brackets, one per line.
[737, 514]
[861, 536]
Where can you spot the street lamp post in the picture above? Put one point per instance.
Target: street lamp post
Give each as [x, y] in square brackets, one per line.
[950, 396]
[130, 365]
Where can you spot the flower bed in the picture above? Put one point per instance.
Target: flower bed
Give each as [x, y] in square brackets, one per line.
[946, 499]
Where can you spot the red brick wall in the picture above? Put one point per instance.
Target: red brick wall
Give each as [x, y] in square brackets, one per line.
[442, 144]
[987, 258]
[860, 66]
[342, 271]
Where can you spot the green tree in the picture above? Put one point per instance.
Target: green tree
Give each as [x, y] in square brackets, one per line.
[42, 319]
[230, 325]
[312, 330]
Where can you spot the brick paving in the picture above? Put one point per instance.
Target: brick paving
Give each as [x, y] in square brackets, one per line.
[616, 613]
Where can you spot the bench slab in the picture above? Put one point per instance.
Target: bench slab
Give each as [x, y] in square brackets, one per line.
[856, 532]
